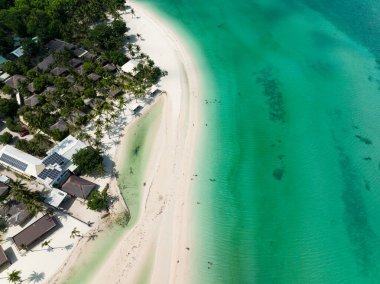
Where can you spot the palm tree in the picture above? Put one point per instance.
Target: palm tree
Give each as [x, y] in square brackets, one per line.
[47, 244]
[75, 233]
[14, 276]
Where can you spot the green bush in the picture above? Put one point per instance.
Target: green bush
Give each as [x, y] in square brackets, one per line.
[88, 161]
[97, 200]
[5, 138]
[13, 125]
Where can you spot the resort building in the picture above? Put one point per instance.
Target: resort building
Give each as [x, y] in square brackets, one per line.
[50, 171]
[131, 66]
[35, 232]
[4, 261]
[78, 187]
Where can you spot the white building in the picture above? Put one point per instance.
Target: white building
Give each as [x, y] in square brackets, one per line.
[20, 161]
[130, 66]
[52, 170]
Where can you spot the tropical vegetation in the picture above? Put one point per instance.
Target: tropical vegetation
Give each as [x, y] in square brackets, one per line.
[88, 161]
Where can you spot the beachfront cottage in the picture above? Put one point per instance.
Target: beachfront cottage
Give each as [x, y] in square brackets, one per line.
[35, 232]
[14, 81]
[74, 62]
[15, 212]
[4, 261]
[78, 187]
[61, 125]
[59, 71]
[46, 63]
[131, 66]
[32, 101]
[4, 190]
[94, 77]
[59, 45]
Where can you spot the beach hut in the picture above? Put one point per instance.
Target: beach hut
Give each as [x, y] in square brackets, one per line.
[32, 101]
[4, 261]
[14, 81]
[94, 77]
[58, 71]
[46, 63]
[59, 45]
[78, 187]
[137, 110]
[35, 232]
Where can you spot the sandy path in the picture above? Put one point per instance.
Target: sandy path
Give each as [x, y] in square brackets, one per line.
[161, 235]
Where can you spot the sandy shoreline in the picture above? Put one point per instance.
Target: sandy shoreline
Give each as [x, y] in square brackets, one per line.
[156, 247]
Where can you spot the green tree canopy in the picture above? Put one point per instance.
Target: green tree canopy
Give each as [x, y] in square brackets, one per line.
[88, 161]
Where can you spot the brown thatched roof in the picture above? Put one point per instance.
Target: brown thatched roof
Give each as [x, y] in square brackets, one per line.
[78, 187]
[35, 231]
[58, 71]
[32, 100]
[14, 81]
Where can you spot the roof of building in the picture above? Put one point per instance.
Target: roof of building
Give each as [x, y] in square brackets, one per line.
[78, 187]
[79, 52]
[46, 63]
[55, 197]
[155, 93]
[68, 147]
[49, 89]
[4, 76]
[61, 125]
[73, 118]
[59, 45]
[18, 52]
[3, 257]
[2, 60]
[137, 109]
[80, 70]
[4, 179]
[20, 161]
[94, 77]
[14, 81]
[109, 67]
[31, 88]
[114, 91]
[130, 66]
[74, 62]
[15, 212]
[35, 231]
[32, 100]
[88, 55]
[4, 189]
[58, 71]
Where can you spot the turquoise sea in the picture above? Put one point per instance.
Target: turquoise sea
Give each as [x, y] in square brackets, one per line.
[289, 168]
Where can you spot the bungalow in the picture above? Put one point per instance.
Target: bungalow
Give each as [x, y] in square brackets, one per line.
[59, 45]
[114, 91]
[14, 81]
[110, 67]
[4, 76]
[58, 71]
[80, 70]
[137, 110]
[4, 189]
[46, 63]
[49, 90]
[155, 93]
[3, 258]
[78, 187]
[36, 231]
[94, 77]
[61, 125]
[131, 66]
[88, 55]
[75, 115]
[32, 101]
[79, 52]
[74, 62]
[15, 212]
[18, 52]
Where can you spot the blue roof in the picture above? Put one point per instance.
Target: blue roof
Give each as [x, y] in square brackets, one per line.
[2, 60]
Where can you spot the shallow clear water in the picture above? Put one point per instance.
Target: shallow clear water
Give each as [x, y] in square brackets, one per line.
[288, 179]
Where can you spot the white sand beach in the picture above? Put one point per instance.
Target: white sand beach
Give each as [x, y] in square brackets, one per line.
[157, 244]
[156, 247]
